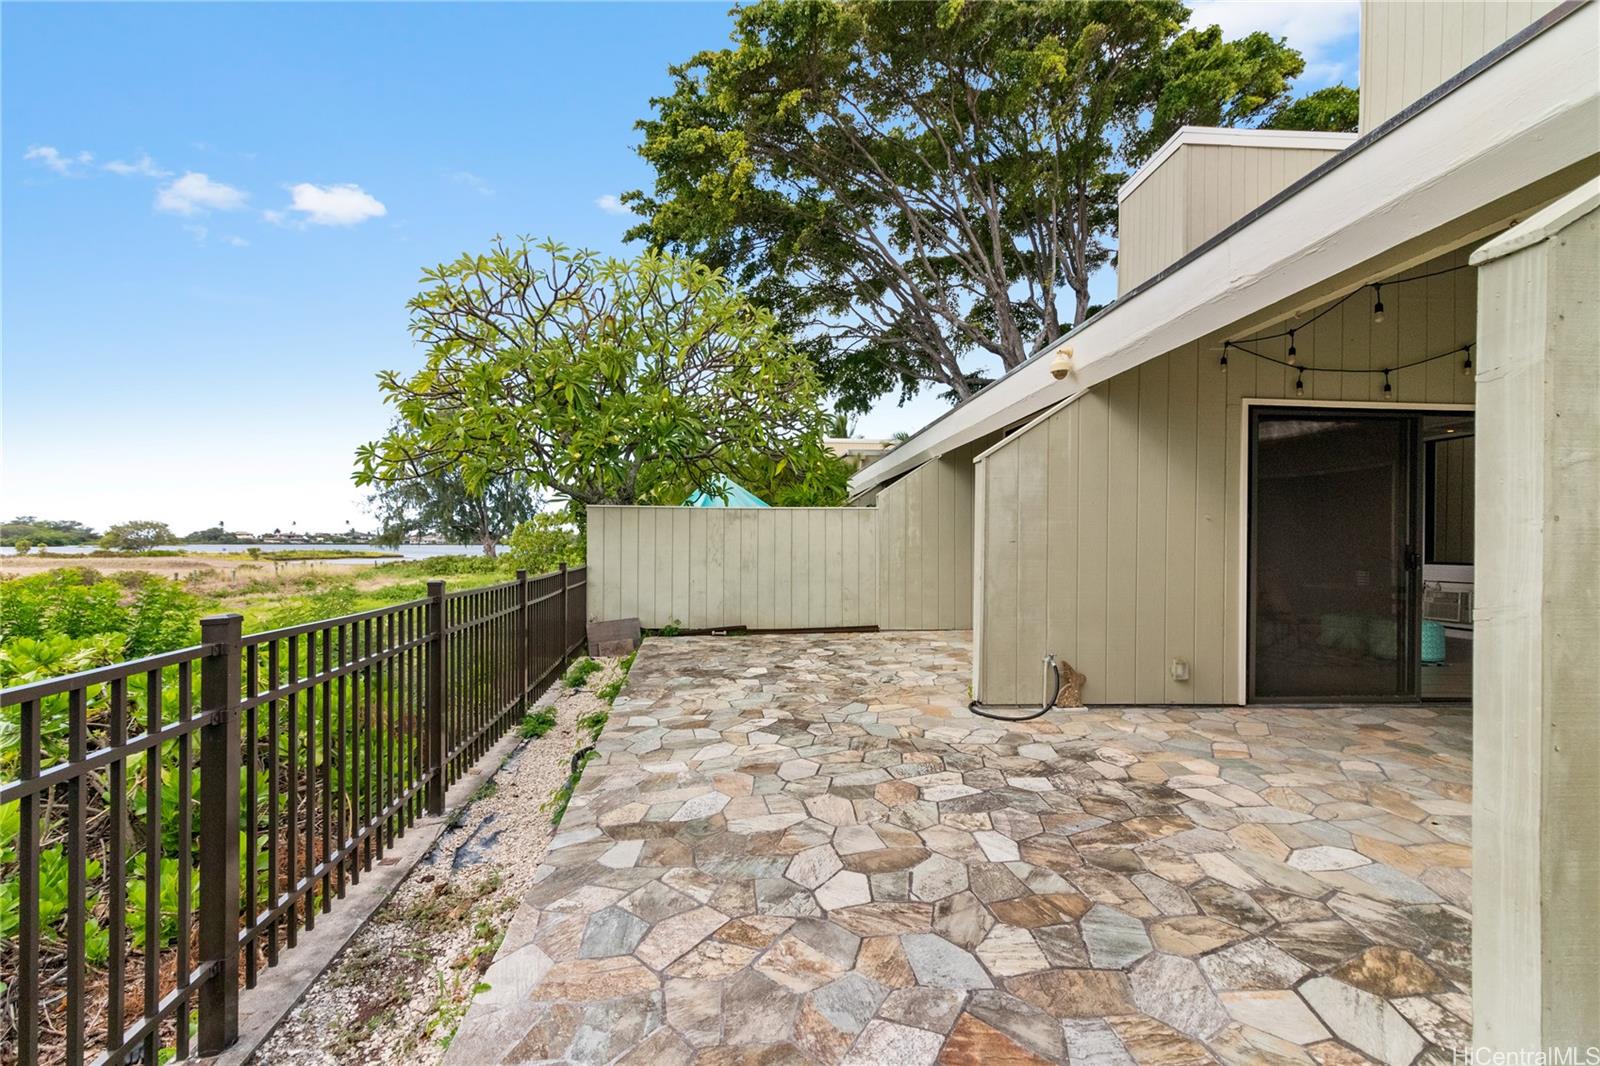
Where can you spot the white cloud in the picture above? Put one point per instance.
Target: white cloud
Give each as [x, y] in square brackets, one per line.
[46, 156]
[330, 205]
[237, 242]
[471, 181]
[143, 167]
[194, 194]
[611, 205]
[195, 231]
[1314, 27]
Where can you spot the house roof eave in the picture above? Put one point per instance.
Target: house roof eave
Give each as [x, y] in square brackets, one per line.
[1433, 163]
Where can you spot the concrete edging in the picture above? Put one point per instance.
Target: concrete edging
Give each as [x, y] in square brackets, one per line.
[282, 987]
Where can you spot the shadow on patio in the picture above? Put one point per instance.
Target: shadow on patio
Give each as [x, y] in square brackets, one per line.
[804, 848]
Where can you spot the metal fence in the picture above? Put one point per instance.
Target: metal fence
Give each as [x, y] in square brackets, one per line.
[141, 906]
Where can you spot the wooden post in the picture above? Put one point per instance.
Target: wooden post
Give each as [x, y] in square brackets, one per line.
[1535, 728]
[219, 832]
[438, 649]
[524, 633]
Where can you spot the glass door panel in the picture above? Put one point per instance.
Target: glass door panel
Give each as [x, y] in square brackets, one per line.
[1333, 509]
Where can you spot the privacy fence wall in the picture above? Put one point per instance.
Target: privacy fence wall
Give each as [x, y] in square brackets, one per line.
[905, 563]
[181, 821]
[714, 567]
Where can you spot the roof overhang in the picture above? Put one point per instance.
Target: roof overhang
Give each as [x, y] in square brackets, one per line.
[1511, 131]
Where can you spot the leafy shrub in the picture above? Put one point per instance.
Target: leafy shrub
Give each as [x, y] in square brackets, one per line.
[538, 723]
[579, 672]
[164, 617]
[542, 544]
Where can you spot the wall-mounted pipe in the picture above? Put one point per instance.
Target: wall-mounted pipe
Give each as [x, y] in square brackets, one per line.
[1052, 691]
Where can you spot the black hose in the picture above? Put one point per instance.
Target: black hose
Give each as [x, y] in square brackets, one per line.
[1055, 691]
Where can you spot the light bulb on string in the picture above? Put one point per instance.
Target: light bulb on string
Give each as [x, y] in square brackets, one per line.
[1377, 308]
[1223, 362]
[1466, 361]
[1291, 348]
[1388, 390]
[1299, 385]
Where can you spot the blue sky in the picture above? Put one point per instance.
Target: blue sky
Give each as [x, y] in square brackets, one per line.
[213, 216]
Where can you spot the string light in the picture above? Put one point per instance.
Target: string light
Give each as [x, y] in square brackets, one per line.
[1291, 358]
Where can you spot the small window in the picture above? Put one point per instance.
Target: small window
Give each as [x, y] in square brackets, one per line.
[1449, 497]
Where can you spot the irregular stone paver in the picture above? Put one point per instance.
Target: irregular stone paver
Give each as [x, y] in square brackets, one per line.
[804, 848]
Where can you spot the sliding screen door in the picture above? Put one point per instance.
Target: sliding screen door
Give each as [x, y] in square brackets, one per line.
[1333, 506]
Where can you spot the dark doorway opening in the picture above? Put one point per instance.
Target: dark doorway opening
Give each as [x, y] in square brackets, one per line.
[1360, 555]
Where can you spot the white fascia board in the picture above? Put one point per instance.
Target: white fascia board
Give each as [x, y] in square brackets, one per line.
[1441, 163]
[1542, 225]
[1235, 138]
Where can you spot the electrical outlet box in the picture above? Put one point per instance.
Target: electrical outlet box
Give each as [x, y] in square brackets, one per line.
[1180, 669]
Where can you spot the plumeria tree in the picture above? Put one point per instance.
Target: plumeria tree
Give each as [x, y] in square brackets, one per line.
[600, 379]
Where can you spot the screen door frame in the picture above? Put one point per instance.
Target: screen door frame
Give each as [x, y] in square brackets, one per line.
[1249, 408]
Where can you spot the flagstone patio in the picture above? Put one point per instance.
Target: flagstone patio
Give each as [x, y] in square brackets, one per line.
[805, 849]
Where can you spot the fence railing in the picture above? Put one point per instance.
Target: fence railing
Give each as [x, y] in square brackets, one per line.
[141, 904]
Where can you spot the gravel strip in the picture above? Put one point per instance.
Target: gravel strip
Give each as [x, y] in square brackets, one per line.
[397, 992]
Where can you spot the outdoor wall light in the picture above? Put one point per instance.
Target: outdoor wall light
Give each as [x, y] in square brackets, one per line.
[1061, 365]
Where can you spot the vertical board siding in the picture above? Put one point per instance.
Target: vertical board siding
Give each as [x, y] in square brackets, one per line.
[1408, 49]
[1111, 529]
[707, 568]
[1196, 193]
[925, 543]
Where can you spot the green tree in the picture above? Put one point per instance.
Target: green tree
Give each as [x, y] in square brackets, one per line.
[441, 503]
[1336, 109]
[543, 542]
[910, 185]
[45, 531]
[216, 534]
[598, 379]
[138, 535]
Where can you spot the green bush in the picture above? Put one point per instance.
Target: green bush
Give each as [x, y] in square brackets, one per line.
[579, 672]
[543, 544]
[538, 723]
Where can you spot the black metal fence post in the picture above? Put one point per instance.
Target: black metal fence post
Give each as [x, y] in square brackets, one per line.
[219, 831]
[524, 633]
[566, 619]
[438, 757]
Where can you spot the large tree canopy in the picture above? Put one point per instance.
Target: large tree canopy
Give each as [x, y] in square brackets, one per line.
[599, 379]
[908, 184]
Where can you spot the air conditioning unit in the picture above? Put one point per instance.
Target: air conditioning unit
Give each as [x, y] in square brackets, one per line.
[1451, 606]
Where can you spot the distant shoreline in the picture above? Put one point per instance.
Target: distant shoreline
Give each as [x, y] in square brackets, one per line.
[182, 560]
